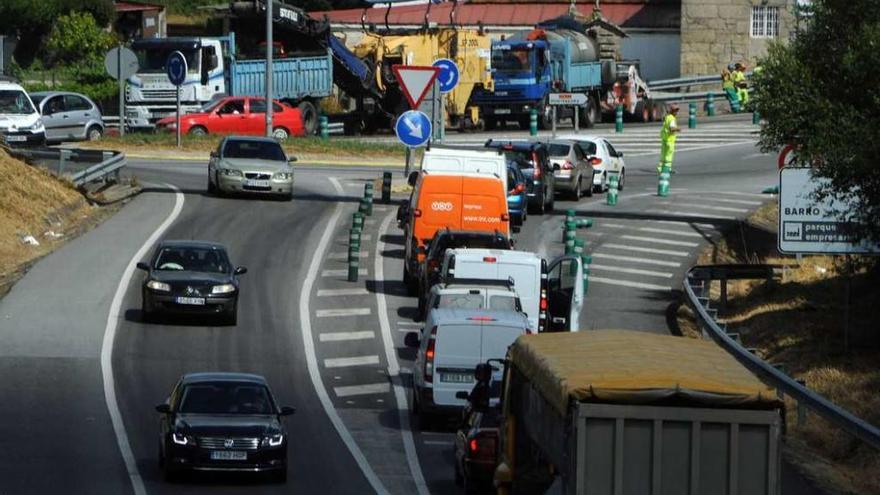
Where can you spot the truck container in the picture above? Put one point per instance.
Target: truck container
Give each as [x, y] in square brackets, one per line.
[614, 412]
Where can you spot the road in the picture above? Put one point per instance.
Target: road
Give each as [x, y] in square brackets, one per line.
[79, 404]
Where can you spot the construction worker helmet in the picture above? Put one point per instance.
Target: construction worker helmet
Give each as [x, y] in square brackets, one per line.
[731, 66]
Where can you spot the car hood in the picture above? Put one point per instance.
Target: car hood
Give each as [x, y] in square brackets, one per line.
[13, 122]
[255, 165]
[232, 425]
[186, 116]
[189, 277]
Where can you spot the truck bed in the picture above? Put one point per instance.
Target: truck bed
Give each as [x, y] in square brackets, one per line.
[583, 76]
[292, 78]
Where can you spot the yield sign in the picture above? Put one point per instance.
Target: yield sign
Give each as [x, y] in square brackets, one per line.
[415, 81]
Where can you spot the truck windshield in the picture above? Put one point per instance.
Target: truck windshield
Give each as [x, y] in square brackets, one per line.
[152, 59]
[512, 60]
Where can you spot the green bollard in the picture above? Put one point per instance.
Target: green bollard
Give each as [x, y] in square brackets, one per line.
[569, 215]
[578, 248]
[324, 125]
[568, 235]
[354, 237]
[569, 245]
[611, 197]
[368, 189]
[353, 270]
[353, 251]
[584, 223]
[663, 181]
[710, 105]
[618, 119]
[587, 260]
[533, 122]
[756, 118]
[386, 187]
[365, 206]
[692, 115]
[357, 221]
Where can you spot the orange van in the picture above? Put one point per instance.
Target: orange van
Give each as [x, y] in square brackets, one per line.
[456, 201]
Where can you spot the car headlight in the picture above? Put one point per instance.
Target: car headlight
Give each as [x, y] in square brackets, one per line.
[181, 439]
[35, 127]
[273, 440]
[223, 289]
[160, 286]
[282, 175]
[231, 172]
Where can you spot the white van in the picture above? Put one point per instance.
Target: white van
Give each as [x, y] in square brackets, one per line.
[453, 160]
[452, 344]
[20, 122]
[553, 290]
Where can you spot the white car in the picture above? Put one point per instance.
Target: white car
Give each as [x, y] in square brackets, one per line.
[604, 158]
[20, 122]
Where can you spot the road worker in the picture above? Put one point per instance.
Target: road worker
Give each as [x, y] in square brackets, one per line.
[729, 88]
[742, 87]
[668, 133]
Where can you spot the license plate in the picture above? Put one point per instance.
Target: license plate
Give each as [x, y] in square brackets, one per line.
[193, 301]
[228, 455]
[16, 139]
[499, 111]
[256, 183]
[457, 377]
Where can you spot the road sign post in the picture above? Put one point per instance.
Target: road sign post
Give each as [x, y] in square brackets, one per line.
[414, 128]
[121, 63]
[447, 80]
[176, 69]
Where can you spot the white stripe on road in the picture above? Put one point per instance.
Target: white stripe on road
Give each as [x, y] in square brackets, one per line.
[137, 483]
[656, 231]
[633, 271]
[343, 292]
[697, 148]
[736, 201]
[687, 214]
[341, 336]
[305, 323]
[627, 283]
[351, 361]
[719, 208]
[330, 313]
[409, 323]
[353, 390]
[344, 256]
[364, 237]
[341, 273]
[646, 250]
[659, 241]
[646, 261]
[707, 226]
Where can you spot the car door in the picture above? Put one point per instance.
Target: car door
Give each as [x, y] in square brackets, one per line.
[580, 162]
[229, 118]
[81, 112]
[212, 163]
[613, 157]
[566, 293]
[256, 117]
[55, 118]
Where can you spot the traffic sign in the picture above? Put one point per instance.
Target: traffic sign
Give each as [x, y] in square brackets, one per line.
[578, 99]
[176, 68]
[413, 128]
[415, 81]
[121, 63]
[448, 76]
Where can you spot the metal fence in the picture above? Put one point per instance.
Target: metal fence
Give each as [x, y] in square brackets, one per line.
[80, 166]
[697, 285]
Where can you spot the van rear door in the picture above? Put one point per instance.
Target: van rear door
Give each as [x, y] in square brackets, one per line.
[456, 354]
[484, 205]
[566, 293]
[439, 205]
[526, 277]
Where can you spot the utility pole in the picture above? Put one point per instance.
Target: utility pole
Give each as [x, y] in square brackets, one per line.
[270, 47]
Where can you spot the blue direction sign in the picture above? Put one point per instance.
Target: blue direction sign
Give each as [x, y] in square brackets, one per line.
[176, 68]
[448, 76]
[413, 128]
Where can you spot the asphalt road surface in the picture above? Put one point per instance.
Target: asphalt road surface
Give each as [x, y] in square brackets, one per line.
[82, 373]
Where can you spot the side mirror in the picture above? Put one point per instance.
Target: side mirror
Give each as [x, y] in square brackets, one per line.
[203, 79]
[287, 411]
[461, 394]
[411, 339]
[240, 270]
[143, 266]
[556, 166]
[214, 154]
[483, 373]
[292, 159]
[163, 409]
[413, 177]
[619, 154]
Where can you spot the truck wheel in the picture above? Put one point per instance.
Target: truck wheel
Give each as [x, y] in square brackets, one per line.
[410, 282]
[309, 115]
[545, 115]
[642, 112]
[198, 131]
[590, 114]
[491, 123]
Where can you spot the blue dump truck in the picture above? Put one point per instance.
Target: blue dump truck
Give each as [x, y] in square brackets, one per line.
[215, 71]
[560, 57]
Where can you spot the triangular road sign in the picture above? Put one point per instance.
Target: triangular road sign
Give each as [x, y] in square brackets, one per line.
[415, 81]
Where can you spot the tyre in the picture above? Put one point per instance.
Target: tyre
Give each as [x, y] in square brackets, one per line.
[524, 122]
[279, 476]
[576, 193]
[169, 473]
[590, 114]
[94, 133]
[309, 115]
[552, 204]
[422, 304]
[491, 123]
[642, 113]
[212, 189]
[280, 133]
[198, 131]
[459, 479]
[147, 315]
[620, 179]
[545, 116]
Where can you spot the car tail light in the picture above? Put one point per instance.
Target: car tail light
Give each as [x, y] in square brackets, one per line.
[489, 259]
[519, 188]
[567, 165]
[537, 165]
[417, 213]
[481, 318]
[507, 147]
[595, 161]
[484, 445]
[505, 217]
[429, 357]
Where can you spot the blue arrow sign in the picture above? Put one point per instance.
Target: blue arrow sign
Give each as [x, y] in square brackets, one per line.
[413, 128]
[176, 68]
[448, 76]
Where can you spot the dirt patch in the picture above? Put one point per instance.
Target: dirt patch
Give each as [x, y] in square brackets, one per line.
[38, 213]
[799, 322]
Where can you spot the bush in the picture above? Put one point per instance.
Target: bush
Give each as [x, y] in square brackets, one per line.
[77, 39]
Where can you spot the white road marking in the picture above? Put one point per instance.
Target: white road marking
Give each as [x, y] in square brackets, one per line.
[656, 231]
[754, 155]
[330, 313]
[409, 323]
[445, 443]
[351, 361]
[696, 148]
[341, 336]
[707, 226]
[137, 483]
[646, 261]
[709, 207]
[364, 237]
[688, 214]
[394, 372]
[633, 271]
[344, 256]
[646, 250]
[627, 283]
[370, 389]
[341, 273]
[370, 221]
[736, 201]
[654, 240]
[737, 193]
[305, 329]
[343, 292]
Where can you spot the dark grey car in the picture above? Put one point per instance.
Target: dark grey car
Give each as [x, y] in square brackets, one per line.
[69, 116]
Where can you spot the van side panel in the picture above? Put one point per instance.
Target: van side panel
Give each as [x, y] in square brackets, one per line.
[484, 204]
[456, 354]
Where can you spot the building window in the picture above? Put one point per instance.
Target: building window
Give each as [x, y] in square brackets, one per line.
[765, 22]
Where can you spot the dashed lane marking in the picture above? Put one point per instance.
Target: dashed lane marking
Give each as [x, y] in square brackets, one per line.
[409, 323]
[627, 283]
[343, 336]
[341, 273]
[707, 226]
[369, 389]
[343, 292]
[737, 201]
[330, 313]
[717, 208]
[632, 259]
[633, 271]
[659, 241]
[351, 361]
[445, 443]
[647, 250]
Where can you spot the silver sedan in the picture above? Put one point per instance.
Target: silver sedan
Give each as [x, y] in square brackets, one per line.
[250, 165]
[69, 116]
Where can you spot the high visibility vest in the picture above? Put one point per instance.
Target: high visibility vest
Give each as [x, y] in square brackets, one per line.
[726, 81]
[666, 134]
[738, 76]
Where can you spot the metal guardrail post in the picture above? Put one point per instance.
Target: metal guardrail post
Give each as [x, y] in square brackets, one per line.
[62, 161]
[801, 409]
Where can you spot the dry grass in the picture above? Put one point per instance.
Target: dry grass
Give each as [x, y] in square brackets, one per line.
[798, 322]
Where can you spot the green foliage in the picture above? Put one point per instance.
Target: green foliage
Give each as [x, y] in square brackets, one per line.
[77, 39]
[29, 16]
[820, 93]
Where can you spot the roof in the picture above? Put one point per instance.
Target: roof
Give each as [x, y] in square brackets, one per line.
[630, 14]
[629, 367]
[215, 376]
[509, 254]
[260, 139]
[576, 137]
[451, 316]
[191, 243]
[513, 144]
[136, 6]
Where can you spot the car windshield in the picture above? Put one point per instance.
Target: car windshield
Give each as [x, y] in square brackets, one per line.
[152, 59]
[473, 242]
[506, 302]
[226, 398]
[15, 102]
[511, 60]
[460, 301]
[194, 259]
[558, 150]
[256, 150]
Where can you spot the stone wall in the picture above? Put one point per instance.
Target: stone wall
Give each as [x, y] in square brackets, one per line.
[715, 33]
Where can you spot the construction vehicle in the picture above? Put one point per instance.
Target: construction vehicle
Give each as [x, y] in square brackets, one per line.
[611, 411]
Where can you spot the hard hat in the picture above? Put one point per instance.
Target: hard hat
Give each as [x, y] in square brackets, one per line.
[731, 66]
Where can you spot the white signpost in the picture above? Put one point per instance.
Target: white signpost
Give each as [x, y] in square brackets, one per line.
[567, 99]
[415, 82]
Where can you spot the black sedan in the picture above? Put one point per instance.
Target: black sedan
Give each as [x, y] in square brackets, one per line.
[222, 422]
[190, 277]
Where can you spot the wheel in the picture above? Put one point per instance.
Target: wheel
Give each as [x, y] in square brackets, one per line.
[410, 282]
[459, 479]
[280, 133]
[309, 115]
[422, 304]
[212, 189]
[576, 194]
[620, 179]
[524, 122]
[198, 131]
[550, 206]
[94, 133]
[590, 114]
[160, 457]
[147, 315]
[169, 473]
[545, 115]
[491, 123]
[642, 113]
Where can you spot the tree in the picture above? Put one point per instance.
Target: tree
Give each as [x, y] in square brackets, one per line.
[820, 94]
[77, 39]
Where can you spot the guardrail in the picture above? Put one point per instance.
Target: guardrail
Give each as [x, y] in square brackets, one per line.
[686, 81]
[699, 279]
[80, 166]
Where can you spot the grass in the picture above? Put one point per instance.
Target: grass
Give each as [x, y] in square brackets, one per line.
[798, 322]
